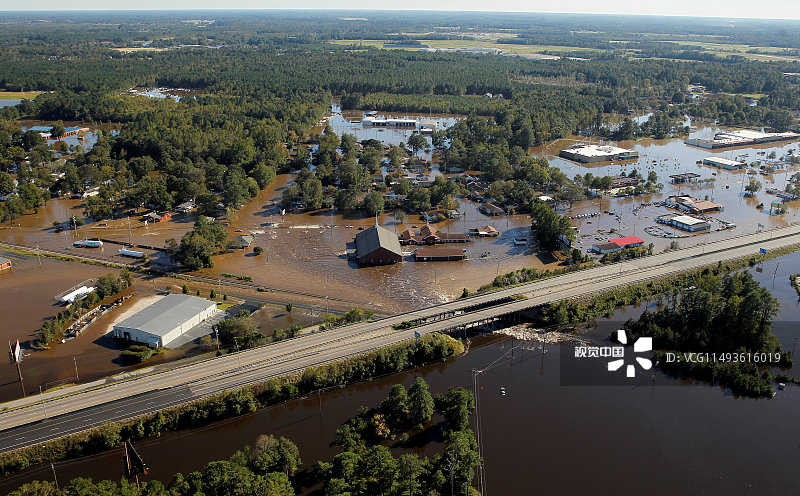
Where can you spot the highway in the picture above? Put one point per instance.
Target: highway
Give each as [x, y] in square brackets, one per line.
[30, 421]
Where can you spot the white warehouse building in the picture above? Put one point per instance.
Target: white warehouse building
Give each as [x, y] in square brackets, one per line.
[165, 320]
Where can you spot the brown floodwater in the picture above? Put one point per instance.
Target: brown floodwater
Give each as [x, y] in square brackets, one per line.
[669, 436]
[29, 298]
[665, 157]
[307, 252]
[29, 292]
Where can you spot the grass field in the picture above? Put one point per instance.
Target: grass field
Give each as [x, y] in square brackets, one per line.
[482, 44]
[18, 95]
[139, 49]
[489, 41]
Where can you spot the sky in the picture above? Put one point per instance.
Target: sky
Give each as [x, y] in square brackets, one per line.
[773, 9]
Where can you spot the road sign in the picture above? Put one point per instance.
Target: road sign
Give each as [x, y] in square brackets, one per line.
[763, 250]
[417, 335]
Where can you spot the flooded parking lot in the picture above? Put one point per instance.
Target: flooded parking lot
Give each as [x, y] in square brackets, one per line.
[628, 216]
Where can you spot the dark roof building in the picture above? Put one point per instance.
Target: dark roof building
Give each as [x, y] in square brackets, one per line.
[244, 240]
[377, 246]
[603, 248]
[439, 254]
[430, 236]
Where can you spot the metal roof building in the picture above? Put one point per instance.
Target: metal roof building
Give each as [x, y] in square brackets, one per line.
[378, 246]
[165, 320]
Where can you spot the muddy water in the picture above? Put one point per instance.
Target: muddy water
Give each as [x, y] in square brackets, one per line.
[36, 229]
[670, 436]
[350, 122]
[667, 157]
[28, 298]
[307, 252]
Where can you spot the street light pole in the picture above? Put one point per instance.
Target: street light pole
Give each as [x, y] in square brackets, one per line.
[75, 360]
[238, 359]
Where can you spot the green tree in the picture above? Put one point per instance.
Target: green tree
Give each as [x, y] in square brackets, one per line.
[345, 201]
[456, 406]
[195, 252]
[395, 407]
[58, 130]
[373, 203]
[549, 226]
[270, 454]
[312, 194]
[753, 187]
[420, 402]
[417, 142]
[6, 183]
[460, 458]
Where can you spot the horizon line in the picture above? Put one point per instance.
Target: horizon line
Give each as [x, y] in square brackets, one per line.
[378, 10]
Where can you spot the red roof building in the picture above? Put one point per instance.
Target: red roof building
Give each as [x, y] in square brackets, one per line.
[627, 242]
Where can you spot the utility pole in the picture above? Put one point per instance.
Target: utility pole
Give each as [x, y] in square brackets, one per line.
[75, 360]
[55, 477]
[38, 257]
[238, 359]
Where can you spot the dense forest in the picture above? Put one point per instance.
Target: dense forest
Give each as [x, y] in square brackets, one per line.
[259, 83]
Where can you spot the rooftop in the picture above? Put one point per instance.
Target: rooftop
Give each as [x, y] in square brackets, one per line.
[627, 240]
[688, 220]
[722, 160]
[4, 260]
[597, 150]
[376, 237]
[685, 175]
[606, 246]
[166, 314]
[439, 252]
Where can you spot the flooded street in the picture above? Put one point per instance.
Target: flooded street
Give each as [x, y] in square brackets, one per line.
[667, 157]
[679, 433]
[540, 433]
[311, 247]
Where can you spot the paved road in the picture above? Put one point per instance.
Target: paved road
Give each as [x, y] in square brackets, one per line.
[24, 423]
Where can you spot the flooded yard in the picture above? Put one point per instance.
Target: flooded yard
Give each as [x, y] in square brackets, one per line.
[682, 433]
